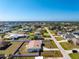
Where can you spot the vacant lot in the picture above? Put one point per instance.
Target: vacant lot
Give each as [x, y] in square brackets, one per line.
[49, 44]
[51, 54]
[68, 46]
[74, 55]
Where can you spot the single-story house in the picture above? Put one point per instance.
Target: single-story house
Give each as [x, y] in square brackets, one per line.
[4, 44]
[37, 33]
[76, 34]
[34, 46]
[15, 36]
[70, 36]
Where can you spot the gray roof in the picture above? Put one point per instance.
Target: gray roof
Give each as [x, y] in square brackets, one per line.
[69, 35]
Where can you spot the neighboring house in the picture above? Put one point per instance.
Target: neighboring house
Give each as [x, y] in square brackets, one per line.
[39, 30]
[37, 33]
[34, 46]
[5, 29]
[27, 29]
[4, 44]
[38, 36]
[76, 34]
[15, 36]
[59, 33]
[1, 32]
[70, 36]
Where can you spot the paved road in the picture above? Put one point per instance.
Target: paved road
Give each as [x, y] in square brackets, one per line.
[64, 53]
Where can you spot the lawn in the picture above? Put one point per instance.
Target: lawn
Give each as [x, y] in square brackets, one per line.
[59, 38]
[51, 54]
[31, 36]
[53, 32]
[49, 44]
[74, 55]
[11, 49]
[46, 35]
[68, 46]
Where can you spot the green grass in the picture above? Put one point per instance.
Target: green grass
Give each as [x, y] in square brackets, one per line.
[68, 46]
[59, 38]
[31, 34]
[74, 55]
[31, 37]
[53, 32]
[51, 54]
[46, 35]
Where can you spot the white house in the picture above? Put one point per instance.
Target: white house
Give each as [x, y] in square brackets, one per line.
[15, 36]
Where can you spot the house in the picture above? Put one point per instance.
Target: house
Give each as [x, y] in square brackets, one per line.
[76, 34]
[70, 36]
[38, 36]
[59, 33]
[37, 33]
[4, 44]
[27, 29]
[34, 46]
[15, 36]
[5, 29]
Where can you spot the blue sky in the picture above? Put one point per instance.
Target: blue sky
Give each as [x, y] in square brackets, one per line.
[33, 10]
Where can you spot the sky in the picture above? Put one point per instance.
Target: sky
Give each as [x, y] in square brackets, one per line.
[39, 10]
